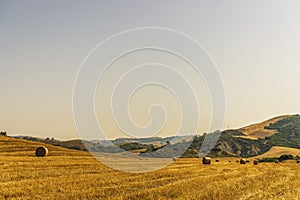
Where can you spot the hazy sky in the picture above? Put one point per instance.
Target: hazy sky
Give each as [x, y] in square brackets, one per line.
[255, 45]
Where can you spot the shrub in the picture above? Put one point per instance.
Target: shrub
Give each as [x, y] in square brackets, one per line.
[134, 146]
[267, 159]
[281, 158]
[285, 157]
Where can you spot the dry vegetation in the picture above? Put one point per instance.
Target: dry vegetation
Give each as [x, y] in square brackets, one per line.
[278, 151]
[256, 131]
[67, 174]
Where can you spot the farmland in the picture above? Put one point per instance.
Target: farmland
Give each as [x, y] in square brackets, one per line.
[70, 174]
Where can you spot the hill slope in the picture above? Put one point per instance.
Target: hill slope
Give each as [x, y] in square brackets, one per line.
[236, 143]
[277, 151]
[14, 146]
[258, 130]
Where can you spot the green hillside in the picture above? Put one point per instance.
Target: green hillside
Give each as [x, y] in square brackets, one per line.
[288, 132]
[231, 142]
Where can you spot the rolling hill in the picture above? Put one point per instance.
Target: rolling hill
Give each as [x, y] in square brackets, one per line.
[14, 146]
[249, 141]
[258, 130]
[285, 133]
[277, 151]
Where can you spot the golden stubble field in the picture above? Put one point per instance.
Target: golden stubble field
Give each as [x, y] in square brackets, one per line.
[67, 174]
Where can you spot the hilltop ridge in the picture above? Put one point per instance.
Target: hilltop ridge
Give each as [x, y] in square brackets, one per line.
[257, 130]
[252, 140]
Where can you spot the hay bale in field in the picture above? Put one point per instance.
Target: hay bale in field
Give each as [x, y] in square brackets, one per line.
[237, 161]
[248, 161]
[41, 152]
[217, 160]
[206, 160]
[276, 161]
[229, 160]
[297, 161]
[243, 161]
[255, 162]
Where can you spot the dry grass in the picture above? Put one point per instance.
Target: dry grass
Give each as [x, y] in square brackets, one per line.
[278, 151]
[256, 131]
[67, 174]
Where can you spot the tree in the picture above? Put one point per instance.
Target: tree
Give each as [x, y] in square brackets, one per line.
[150, 148]
[3, 133]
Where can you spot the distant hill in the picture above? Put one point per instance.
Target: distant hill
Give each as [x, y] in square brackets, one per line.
[77, 144]
[253, 140]
[231, 143]
[286, 133]
[112, 146]
[258, 130]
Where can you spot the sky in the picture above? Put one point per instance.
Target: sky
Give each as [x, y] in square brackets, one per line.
[254, 45]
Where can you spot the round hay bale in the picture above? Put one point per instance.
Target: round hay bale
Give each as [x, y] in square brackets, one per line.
[237, 161]
[229, 160]
[247, 160]
[255, 162]
[276, 161]
[217, 160]
[243, 161]
[41, 152]
[297, 161]
[206, 160]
